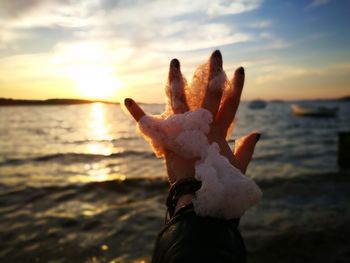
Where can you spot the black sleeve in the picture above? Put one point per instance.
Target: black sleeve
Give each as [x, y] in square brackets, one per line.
[190, 238]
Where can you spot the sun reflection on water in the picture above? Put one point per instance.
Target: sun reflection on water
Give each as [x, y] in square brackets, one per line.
[98, 131]
[101, 174]
[100, 143]
[96, 176]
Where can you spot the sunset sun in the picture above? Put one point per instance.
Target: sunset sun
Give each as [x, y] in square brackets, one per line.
[95, 81]
[91, 69]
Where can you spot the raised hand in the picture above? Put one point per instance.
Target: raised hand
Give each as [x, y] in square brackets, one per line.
[222, 107]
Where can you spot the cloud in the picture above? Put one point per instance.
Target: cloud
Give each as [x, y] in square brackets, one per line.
[265, 40]
[168, 8]
[317, 3]
[135, 39]
[10, 8]
[218, 8]
[261, 24]
[19, 20]
[162, 25]
[274, 73]
[129, 10]
[50, 14]
[201, 37]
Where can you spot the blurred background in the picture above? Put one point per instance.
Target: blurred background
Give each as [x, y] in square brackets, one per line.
[77, 182]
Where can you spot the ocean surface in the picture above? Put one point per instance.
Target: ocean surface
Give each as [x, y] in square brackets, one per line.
[78, 184]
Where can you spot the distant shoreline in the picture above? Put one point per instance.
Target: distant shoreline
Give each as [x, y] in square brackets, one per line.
[18, 102]
[23, 102]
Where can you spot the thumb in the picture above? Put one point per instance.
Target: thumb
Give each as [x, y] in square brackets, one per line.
[244, 149]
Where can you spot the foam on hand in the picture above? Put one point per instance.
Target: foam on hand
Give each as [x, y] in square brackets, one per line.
[225, 191]
[184, 134]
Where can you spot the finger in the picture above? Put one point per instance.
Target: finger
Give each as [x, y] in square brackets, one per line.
[176, 88]
[216, 83]
[135, 110]
[230, 105]
[244, 149]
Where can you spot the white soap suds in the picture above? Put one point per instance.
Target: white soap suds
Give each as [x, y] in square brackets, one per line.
[225, 191]
[184, 134]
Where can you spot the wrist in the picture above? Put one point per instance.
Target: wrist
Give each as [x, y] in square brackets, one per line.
[181, 193]
[183, 201]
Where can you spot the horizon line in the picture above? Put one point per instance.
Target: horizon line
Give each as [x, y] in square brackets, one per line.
[4, 101]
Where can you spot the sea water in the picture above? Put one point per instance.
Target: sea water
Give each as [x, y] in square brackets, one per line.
[78, 182]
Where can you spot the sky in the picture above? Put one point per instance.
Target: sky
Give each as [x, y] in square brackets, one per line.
[111, 49]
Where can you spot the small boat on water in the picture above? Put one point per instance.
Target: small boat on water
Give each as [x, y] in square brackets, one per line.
[320, 111]
[257, 104]
[277, 101]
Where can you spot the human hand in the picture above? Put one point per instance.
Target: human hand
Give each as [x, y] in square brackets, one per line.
[222, 108]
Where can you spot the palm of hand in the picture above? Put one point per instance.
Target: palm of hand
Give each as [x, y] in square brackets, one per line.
[223, 109]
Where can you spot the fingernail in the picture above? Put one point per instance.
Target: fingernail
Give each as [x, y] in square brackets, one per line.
[215, 63]
[128, 102]
[258, 137]
[175, 63]
[217, 58]
[241, 70]
[217, 54]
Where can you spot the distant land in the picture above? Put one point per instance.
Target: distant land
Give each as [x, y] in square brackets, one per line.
[347, 98]
[21, 102]
[17, 102]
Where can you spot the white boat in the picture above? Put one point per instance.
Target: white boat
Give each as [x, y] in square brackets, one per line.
[257, 104]
[309, 111]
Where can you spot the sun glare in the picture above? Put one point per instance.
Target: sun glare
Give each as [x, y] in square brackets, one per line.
[95, 81]
[91, 68]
